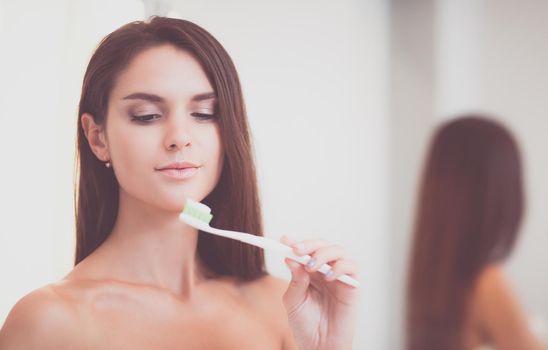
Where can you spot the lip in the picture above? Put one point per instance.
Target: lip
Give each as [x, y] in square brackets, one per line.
[179, 170]
[179, 165]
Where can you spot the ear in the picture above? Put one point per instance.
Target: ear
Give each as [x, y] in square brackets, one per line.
[95, 134]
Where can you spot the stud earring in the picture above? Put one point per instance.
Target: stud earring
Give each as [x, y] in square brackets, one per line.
[107, 164]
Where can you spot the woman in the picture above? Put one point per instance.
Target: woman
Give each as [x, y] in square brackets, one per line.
[162, 119]
[469, 211]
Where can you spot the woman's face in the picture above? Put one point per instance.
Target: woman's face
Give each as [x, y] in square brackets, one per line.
[162, 116]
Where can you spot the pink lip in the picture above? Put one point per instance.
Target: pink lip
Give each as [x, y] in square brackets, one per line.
[179, 170]
[179, 174]
[179, 165]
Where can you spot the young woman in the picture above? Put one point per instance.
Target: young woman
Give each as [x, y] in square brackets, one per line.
[469, 211]
[162, 119]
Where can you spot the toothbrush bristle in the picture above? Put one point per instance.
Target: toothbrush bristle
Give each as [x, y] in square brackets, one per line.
[198, 210]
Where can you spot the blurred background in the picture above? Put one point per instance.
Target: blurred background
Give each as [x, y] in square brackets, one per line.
[342, 99]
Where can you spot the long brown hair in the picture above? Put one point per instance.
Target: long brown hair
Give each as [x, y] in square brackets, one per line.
[469, 210]
[234, 201]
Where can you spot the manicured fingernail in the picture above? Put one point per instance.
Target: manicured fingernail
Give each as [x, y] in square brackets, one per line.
[329, 274]
[310, 264]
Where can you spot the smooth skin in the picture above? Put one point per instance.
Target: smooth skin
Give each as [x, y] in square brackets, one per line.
[496, 316]
[145, 287]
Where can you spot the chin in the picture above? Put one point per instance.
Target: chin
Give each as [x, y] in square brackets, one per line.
[173, 198]
[177, 202]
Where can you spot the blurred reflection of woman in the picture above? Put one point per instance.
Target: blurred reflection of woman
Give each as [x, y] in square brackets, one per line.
[469, 210]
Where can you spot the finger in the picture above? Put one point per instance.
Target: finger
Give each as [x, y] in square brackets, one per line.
[323, 256]
[342, 267]
[301, 248]
[309, 246]
[295, 294]
[288, 240]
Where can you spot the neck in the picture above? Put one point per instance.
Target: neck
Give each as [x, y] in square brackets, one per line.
[153, 247]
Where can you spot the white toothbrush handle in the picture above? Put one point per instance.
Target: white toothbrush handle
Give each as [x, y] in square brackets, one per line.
[323, 269]
[270, 244]
[265, 243]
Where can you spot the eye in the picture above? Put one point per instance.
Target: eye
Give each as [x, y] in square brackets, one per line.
[145, 118]
[205, 116]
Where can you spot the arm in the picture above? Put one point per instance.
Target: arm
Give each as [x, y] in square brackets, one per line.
[40, 320]
[500, 313]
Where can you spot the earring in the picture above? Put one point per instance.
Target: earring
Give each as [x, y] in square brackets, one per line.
[107, 164]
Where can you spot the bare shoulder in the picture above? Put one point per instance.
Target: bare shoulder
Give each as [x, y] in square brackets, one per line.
[264, 296]
[268, 288]
[268, 292]
[491, 278]
[499, 311]
[40, 320]
[493, 292]
[274, 284]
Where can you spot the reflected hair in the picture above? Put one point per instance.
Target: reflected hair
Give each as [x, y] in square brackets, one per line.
[234, 200]
[469, 210]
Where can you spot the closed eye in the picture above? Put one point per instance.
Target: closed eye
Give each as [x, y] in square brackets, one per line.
[204, 116]
[145, 118]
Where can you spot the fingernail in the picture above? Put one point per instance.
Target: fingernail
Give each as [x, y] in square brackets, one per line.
[310, 264]
[329, 274]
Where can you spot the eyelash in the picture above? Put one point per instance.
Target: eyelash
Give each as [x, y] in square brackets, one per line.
[144, 119]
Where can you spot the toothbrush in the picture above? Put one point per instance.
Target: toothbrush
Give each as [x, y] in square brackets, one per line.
[198, 215]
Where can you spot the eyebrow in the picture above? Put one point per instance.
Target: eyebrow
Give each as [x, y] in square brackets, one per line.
[155, 98]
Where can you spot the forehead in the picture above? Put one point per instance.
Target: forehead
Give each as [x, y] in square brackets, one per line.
[164, 70]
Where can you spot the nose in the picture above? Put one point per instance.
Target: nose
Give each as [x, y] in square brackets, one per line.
[178, 135]
[178, 146]
[178, 143]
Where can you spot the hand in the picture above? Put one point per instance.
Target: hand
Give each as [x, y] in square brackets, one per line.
[321, 310]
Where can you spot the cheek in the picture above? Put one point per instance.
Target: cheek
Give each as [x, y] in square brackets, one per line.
[129, 149]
